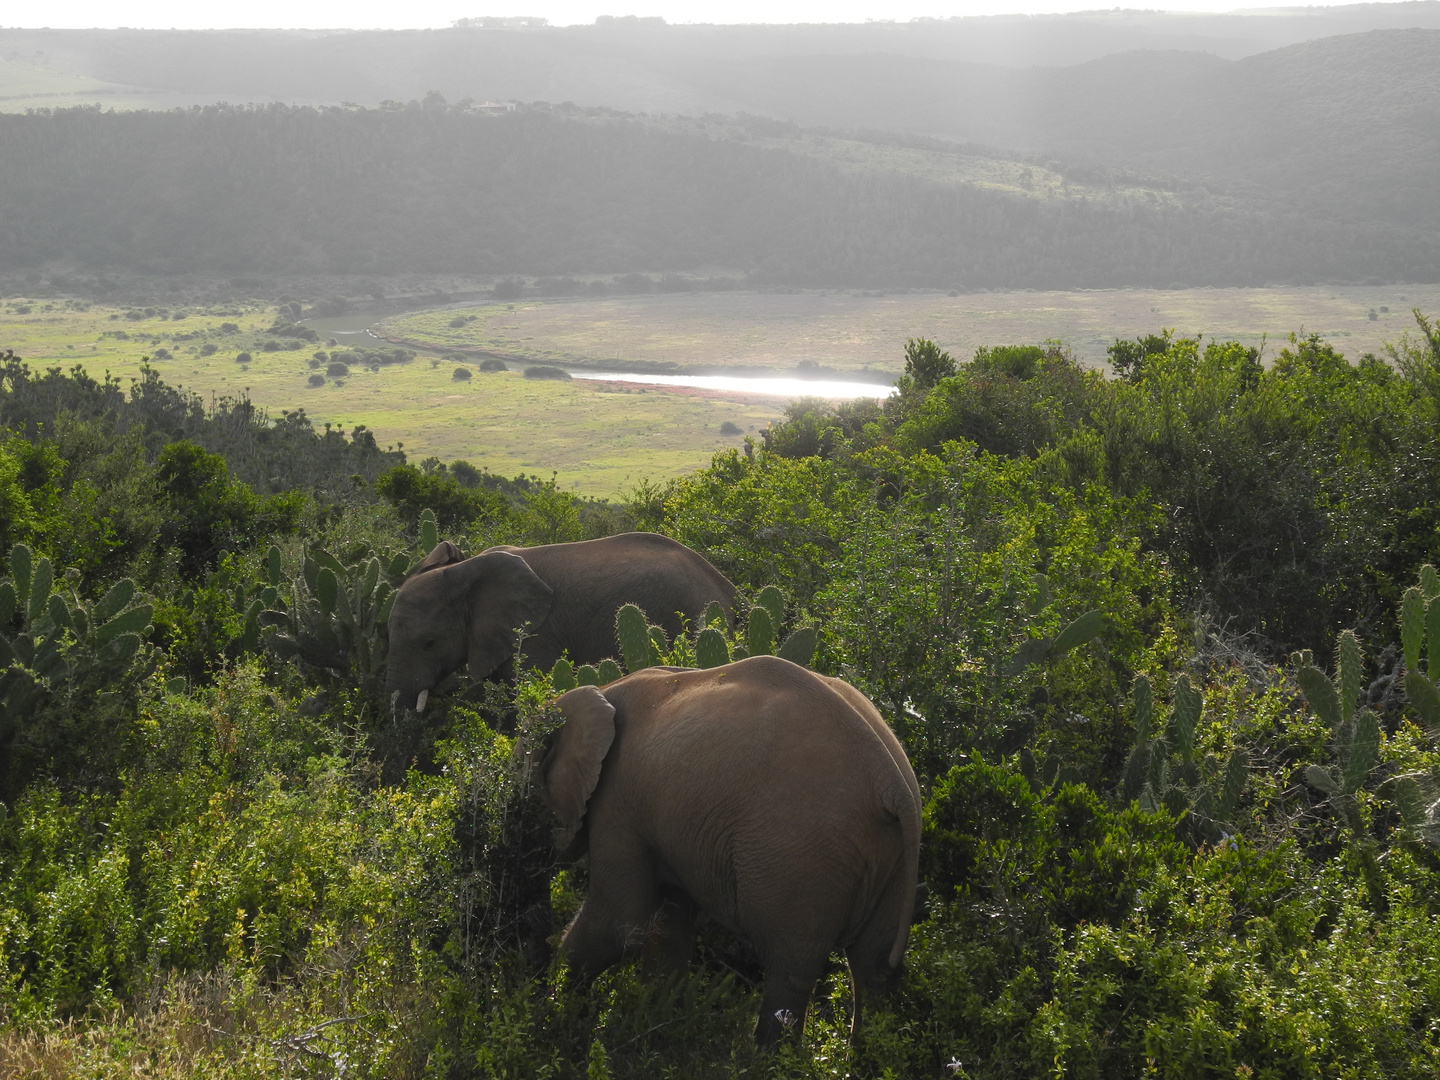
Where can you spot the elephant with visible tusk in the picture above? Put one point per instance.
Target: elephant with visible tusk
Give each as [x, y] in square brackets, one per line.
[454, 611]
[773, 799]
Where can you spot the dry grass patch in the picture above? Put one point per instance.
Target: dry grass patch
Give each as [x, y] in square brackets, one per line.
[850, 331]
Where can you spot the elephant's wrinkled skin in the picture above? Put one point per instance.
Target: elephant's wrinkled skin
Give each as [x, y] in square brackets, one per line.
[774, 799]
[453, 611]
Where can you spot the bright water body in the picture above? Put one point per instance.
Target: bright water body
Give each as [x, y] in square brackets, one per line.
[750, 384]
[350, 329]
[355, 323]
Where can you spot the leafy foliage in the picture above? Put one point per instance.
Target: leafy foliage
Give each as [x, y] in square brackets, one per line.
[1152, 844]
[1292, 499]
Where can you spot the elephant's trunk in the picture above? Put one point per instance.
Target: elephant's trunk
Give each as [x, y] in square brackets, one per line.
[404, 693]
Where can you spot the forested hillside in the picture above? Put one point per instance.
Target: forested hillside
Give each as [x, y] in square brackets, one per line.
[434, 188]
[1236, 102]
[1162, 647]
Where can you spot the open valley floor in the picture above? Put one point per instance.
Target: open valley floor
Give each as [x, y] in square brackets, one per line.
[601, 438]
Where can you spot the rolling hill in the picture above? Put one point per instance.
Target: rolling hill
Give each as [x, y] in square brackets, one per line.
[875, 156]
[545, 192]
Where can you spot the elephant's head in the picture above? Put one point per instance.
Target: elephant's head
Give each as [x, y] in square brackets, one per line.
[571, 768]
[455, 611]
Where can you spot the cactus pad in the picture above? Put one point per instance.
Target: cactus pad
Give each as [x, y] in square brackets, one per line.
[760, 633]
[773, 601]
[799, 647]
[710, 648]
[562, 676]
[633, 633]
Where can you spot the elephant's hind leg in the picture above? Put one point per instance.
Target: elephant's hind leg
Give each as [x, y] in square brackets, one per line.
[871, 975]
[789, 982]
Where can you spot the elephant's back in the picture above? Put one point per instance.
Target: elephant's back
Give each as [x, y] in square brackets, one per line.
[661, 575]
[754, 711]
[591, 579]
[651, 548]
[779, 764]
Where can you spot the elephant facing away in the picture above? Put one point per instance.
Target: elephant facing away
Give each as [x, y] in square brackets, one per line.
[454, 611]
[774, 799]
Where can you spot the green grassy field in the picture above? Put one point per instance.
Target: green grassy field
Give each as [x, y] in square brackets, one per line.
[39, 86]
[600, 438]
[953, 168]
[849, 331]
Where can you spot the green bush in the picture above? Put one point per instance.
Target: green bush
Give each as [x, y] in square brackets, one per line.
[411, 492]
[209, 512]
[546, 371]
[1293, 498]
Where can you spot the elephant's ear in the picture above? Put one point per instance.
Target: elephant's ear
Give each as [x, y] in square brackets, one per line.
[444, 554]
[571, 769]
[500, 593]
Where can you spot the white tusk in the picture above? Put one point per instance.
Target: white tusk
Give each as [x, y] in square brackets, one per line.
[420, 701]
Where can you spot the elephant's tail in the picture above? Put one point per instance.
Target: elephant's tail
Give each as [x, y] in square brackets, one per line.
[901, 799]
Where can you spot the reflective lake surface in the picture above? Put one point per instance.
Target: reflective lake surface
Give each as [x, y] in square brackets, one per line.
[339, 326]
[352, 328]
[776, 386]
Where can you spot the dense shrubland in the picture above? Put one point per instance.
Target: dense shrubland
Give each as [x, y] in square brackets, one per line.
[1162, 646]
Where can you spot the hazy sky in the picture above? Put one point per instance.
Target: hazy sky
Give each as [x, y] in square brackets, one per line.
[422, 13]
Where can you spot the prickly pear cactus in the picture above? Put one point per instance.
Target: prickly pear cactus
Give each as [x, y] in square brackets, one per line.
[1417, 794]
[633, 632]
[1184, 716]
[772, 600]
[429, 531]
[760, 632]
[760, 636]
[1356, 734]
[336, 613]
[644, 645]
[54, 646]
[1044, 650]
[1164, 771]
[1137, 765]
[799, 647]
[710, 648]
[562, 676]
